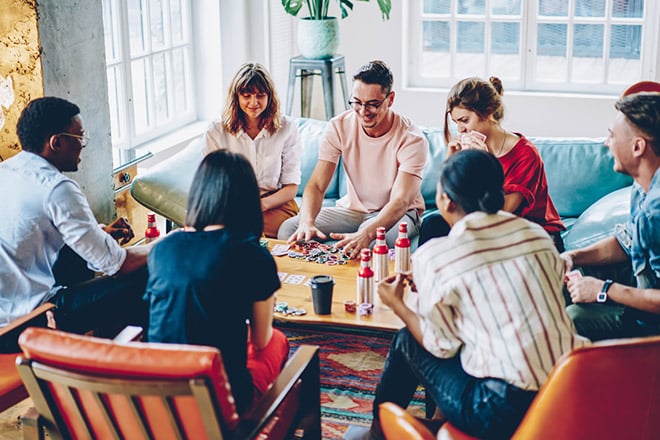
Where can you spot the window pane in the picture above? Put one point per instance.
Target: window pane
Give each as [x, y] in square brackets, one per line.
[437, 6]
[111, 31]
[628, 8]
[505, 38]
[505, 7]
[625, 53]
[551, 61]
[472, 7]
[136, 27]
[140, 83]
[114, 98]
[160, 88]
[436, 35]
[179, 80]
[551, 39]
[505, 59]
[470, 37]
[553, 8]
[588, 40]
[177, 20]
[157, 24]
[588, 62]
[590, 8]
[626, 41]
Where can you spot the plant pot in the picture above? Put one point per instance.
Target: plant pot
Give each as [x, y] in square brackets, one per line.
[318, 39]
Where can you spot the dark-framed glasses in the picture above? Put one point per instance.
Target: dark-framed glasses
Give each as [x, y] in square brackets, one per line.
[84, 139]
[370, 106]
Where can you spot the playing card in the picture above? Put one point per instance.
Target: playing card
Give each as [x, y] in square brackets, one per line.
[574, 274]
[280, 250]
[478, 135]
[282, 275]
[294, 279]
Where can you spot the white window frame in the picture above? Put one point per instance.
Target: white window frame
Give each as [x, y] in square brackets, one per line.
[413, 47]
[123, 106]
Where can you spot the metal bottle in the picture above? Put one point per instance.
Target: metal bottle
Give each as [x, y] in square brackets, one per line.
[365, 279]
[402, 250]
[380, 253]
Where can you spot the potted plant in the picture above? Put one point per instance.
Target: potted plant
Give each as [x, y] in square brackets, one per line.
[318, 33]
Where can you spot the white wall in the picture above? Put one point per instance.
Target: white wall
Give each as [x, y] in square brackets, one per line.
[364, 37]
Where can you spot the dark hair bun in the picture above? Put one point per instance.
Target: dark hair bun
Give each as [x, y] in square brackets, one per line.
[491, 201]
[497, 84]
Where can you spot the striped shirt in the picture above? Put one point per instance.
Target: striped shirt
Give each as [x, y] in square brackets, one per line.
[492, 290]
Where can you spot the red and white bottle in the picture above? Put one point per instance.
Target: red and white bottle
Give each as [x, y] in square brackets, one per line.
[380, 253]
[365, 279]
[402, 250]
[152, 231]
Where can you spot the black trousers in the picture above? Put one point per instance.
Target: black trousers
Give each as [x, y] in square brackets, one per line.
[104, 304]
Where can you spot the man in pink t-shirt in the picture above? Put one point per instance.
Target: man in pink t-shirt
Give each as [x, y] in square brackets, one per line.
[383, 154]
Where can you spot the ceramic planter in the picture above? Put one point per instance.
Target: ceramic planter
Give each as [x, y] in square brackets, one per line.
[318, 39]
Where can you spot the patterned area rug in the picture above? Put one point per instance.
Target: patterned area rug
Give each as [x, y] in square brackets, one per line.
[350, 368]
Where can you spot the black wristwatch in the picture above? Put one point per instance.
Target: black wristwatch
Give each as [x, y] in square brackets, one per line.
[602, 295]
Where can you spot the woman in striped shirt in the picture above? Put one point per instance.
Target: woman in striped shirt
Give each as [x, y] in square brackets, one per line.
[490, 320]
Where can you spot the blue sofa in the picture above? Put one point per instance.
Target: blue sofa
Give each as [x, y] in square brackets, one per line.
[590, 196]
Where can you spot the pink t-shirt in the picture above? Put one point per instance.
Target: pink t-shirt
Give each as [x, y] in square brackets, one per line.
[372, 164]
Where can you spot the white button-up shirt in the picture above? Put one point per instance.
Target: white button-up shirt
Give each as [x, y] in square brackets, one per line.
[274, 157]
[42, 210]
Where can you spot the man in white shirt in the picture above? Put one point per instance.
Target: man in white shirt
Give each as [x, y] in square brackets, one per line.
[44, 211]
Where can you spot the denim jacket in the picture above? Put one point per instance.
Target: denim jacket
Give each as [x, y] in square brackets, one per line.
[640, 236]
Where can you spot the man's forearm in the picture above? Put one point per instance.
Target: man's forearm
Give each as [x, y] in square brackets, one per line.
[606, 251]
[641, 299]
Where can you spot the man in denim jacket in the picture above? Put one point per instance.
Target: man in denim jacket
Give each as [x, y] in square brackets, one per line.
[606, 309]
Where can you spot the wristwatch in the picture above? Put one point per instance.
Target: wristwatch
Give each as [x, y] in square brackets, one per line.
[602, 295]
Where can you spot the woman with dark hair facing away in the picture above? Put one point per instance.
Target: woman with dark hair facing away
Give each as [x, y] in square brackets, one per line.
[251, 124]
[476, 107]
[197, 290]
[489, 322]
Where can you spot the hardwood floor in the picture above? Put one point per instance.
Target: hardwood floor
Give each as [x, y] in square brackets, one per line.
[10, 427]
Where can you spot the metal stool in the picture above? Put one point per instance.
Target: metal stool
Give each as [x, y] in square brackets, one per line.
[309, 68]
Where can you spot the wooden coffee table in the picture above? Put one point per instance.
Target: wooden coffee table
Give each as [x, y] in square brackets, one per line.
[300, 296]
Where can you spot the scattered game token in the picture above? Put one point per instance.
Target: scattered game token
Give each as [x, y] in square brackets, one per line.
[349, 306]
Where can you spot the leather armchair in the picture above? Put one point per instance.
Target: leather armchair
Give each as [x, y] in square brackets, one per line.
[12, 390]
[609, 390]
[87, 387]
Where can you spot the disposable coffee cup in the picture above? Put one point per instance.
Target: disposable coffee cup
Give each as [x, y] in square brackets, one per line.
[322, 286]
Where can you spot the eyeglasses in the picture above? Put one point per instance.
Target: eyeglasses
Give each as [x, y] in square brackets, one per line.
[84, 139]
[369, 106]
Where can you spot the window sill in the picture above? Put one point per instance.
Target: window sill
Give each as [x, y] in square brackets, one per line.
[167, 145]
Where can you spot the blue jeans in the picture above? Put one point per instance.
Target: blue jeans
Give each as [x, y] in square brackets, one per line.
[104, 304]
[481, 407]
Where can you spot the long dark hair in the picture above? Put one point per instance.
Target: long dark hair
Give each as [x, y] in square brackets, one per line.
[473, 179]
[224, 191]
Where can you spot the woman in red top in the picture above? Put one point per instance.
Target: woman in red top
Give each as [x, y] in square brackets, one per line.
[475, 105]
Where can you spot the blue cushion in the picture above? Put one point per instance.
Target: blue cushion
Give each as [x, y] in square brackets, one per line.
[598, 221]
[579, 172]
[310, 132]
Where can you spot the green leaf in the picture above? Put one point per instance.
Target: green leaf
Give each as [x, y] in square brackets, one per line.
[292, 6]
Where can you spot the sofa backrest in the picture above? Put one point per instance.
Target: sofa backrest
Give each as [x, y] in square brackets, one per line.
[579, 171]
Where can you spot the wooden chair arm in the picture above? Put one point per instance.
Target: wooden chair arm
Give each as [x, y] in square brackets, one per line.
[23, 321]
[303, 365]
[9, 333]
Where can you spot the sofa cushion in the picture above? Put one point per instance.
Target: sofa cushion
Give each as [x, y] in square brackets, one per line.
[599, 220]
[579, 172]
[310, 132]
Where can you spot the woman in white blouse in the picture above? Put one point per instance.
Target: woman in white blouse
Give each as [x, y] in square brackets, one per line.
[251, 124]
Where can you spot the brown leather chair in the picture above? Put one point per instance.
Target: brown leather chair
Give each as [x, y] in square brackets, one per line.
[399, 424]
[87, 387]
[609, 390]
[12, 390]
